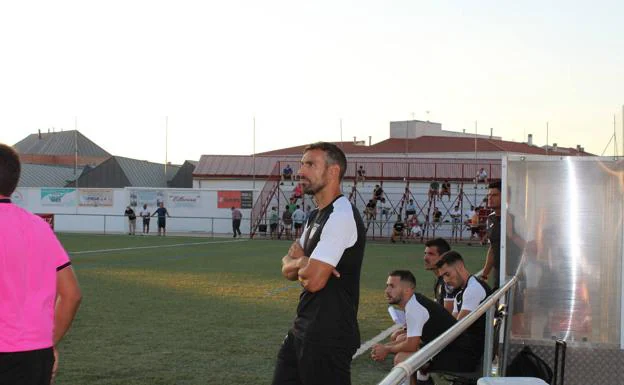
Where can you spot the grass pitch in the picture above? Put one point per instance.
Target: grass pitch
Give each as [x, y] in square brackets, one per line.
[181, 310]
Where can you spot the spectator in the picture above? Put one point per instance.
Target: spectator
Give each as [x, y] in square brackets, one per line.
[414, 227]
[286, 222]
[236, 221]
[287, 174]
[493, 228]
[437, 217]
[131, 220]
[298, 217]
[443, 293]
[39, 292]
[475, 226]
[433, 189]
[292, 206]
[378, 193]
[297, 193]
[482, 176]
[456, 218]
[307, 212]
[411, 208]
[162, 219]
[445, 189]
[471, 291]
[397, 230]
[386, 209]
[370, 212]
[273, 222]
[145, 214]
[361, 174]
[424, 321]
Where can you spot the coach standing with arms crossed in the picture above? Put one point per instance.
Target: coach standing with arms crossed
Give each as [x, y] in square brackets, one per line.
[39, 293]
[327, 260]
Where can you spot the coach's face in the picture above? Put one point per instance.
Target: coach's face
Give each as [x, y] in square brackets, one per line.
[432, 256]
[313, 172]
[451, 276]
[395, 290]
[494, 198]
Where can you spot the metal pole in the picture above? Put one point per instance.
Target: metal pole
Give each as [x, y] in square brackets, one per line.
[502, 367]
[104, 224]
[615, 151]
[623, 130]
[166, 143]
[546, 138]
[254, 153]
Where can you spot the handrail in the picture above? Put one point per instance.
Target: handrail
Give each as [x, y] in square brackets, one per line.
[406, 368]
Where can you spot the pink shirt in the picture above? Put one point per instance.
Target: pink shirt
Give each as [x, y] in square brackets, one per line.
[30, 255]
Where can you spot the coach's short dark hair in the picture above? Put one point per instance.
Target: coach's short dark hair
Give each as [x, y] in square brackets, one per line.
[333, 155]
[404, 276]
[497, 185]
[439, 243]
[10, 169]
[449, 258]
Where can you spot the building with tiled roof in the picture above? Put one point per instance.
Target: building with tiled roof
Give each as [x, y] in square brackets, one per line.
[119, 172]
[41, 175]
[60, 148]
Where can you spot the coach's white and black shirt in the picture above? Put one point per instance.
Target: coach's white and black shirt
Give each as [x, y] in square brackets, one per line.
[334, 235]
[469, 298]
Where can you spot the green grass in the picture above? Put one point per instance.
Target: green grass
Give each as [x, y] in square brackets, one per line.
[210, 313]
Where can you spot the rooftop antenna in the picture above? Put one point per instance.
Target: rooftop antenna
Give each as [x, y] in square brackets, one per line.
[546, 138]
[166, 143]
[254, 152]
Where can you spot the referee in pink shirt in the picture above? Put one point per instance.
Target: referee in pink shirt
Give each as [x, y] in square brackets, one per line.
[39, 293]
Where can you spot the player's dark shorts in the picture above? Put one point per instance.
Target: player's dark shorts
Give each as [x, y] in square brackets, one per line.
[305, 363]
[461, 356]
[162, 223]
[146, 221]
[27, 368]
[298, 225]
[273, 226]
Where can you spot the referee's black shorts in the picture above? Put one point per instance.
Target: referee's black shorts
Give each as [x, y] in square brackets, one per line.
[26, 368]
[302, 363]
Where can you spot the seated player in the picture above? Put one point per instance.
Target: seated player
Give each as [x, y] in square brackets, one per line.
[411, 208]
[471, 291]
[397, 230]
[424, 320]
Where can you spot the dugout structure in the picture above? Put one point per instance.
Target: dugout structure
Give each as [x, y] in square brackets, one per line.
[564, 238]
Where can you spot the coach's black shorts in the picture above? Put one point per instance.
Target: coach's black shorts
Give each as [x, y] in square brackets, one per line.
[26, 368]
[303, 363]
[161, 223]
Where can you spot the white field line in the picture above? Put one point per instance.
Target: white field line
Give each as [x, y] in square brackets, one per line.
[153, 247]
[375, 340]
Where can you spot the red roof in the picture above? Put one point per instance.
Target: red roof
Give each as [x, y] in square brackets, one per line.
[436, 144]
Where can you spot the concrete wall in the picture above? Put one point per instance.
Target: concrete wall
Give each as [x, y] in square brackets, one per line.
[201, 216]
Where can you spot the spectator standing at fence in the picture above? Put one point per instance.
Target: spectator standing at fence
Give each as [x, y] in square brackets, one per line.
[162, 214]
[298, 218]
[287, 174]
[273, 222]
[237, 216]
[456, 218]
[493, 228]
[131, 220]
[145, 214]
[39, 292]
[286, 222]
[327, 260]
[437, 217]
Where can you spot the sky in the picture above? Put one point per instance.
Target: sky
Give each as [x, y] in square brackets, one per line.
[119, 70]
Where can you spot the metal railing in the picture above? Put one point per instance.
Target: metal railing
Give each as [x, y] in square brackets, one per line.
[405, 369]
